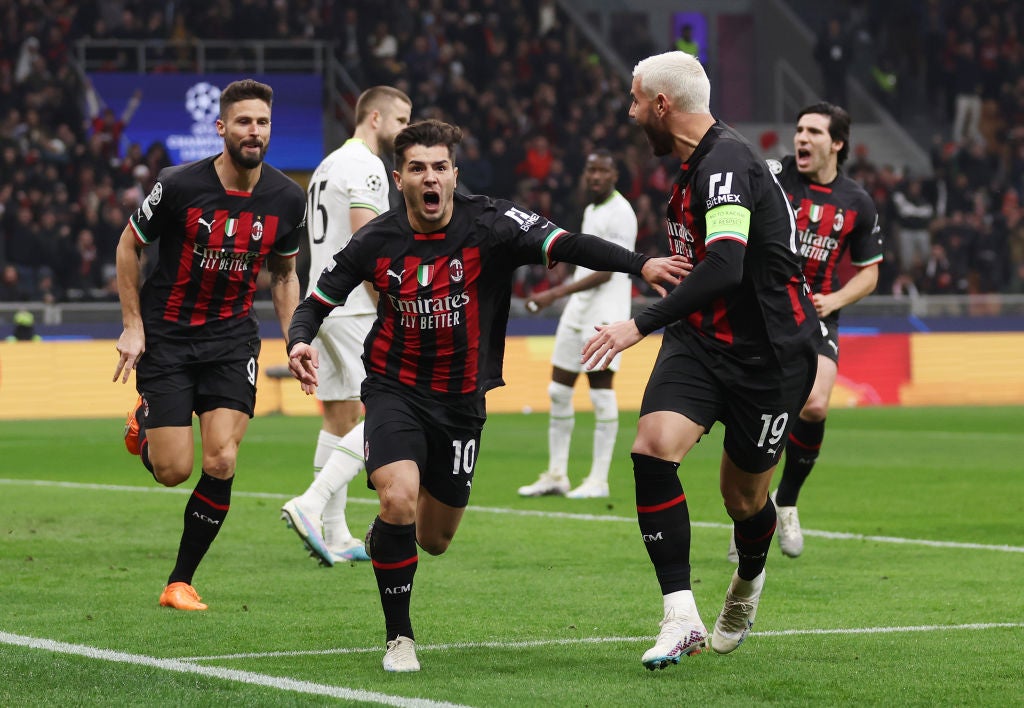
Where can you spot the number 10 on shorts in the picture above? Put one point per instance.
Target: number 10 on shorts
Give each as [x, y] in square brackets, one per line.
[464, 456]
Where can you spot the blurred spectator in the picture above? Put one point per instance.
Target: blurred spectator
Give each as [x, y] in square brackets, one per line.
[833, 54]
[967, 92]
[938, 273]
[106, 126]
[85, 274]
[24, 327]
[914, 214]
[686, 43]
[475, 171]
[12, 286]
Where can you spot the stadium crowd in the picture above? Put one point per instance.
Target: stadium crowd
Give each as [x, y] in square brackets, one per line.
[533, 99]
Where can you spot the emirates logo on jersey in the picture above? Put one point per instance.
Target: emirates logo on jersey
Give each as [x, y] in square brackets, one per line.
[456, 271]
[257, 230]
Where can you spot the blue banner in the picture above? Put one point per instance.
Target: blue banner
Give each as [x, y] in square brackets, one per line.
[180, 110]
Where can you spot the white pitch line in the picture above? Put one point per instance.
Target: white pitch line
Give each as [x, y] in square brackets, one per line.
[839, 631]
[183, 666]
[832, 535]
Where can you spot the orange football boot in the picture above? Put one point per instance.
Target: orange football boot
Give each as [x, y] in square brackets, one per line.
[132, 430]
[181, 596]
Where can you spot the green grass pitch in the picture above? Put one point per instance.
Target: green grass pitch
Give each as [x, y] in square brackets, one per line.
[908, 592]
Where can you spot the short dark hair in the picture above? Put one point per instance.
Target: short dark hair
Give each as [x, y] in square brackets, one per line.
[838, 125]
[427, 133]
[244, 90]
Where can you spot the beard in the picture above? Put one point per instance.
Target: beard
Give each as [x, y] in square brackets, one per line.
[246, 160]
[661, 142]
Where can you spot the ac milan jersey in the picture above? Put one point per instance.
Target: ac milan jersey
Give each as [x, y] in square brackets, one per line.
[444, 296]
[830, 218]
[770, 310]
[213, 243]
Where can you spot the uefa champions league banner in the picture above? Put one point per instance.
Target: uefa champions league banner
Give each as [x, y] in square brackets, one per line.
[180, 110]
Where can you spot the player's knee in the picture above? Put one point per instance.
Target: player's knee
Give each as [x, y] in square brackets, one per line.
[220, 463]
[434, 544]
[815, 409]
[397, 505]
[606, 406]
[742, 506]
[561, 399]
[171, 475]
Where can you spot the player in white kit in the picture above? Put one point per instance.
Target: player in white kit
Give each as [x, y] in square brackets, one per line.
[347, 190]
[594, 298]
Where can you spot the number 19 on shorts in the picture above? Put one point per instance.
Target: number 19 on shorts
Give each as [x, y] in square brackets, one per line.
[772, 429]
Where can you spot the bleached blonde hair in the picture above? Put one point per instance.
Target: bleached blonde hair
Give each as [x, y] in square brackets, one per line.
[679, 76]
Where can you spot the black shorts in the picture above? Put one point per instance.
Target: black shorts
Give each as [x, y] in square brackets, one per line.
[441, 437]
[178, 377]
[829, 344]
[757, 403]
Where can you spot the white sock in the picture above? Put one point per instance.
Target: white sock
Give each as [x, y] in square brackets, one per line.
[316, 496]
[606, 427]
[560, 425]
[682, 602]
[344, 464]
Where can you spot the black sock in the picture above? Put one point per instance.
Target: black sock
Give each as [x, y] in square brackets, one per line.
[664, 519]
[802, 450]
[204, 515]
[140, 420]
[753, 539]
[393, 550]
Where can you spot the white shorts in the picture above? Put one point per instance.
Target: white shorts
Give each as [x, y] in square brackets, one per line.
[569, 343]
[340, 343]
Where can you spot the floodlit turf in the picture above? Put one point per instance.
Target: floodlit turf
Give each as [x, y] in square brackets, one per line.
[908, 592]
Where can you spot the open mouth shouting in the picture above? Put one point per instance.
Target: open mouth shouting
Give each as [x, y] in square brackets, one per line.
[804, 158]
[432, 202]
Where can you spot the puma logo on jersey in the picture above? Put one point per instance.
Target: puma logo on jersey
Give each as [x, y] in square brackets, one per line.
[396, 276]
[835, 347]
[208, 224]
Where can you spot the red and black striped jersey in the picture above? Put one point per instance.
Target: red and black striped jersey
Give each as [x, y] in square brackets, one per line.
[830, 218]
[769, 310]
[444, 297]
[212, 244]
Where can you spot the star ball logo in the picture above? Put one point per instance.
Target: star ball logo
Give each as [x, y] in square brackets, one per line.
[202, 101]
[202, 104]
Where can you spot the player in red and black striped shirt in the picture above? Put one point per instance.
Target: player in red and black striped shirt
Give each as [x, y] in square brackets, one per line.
[443, 269]
[739, 347]
[191, 334]
[833, 215]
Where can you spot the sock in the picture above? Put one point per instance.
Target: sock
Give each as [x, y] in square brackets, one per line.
[319, 492]
[664, 519]
[204, 516]
[606, 427]
[144, 454]
[394, 565]
[140, 420]
[342, 467]
[682, 602]
[560, 425]
[753, 539]
[802, 451]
